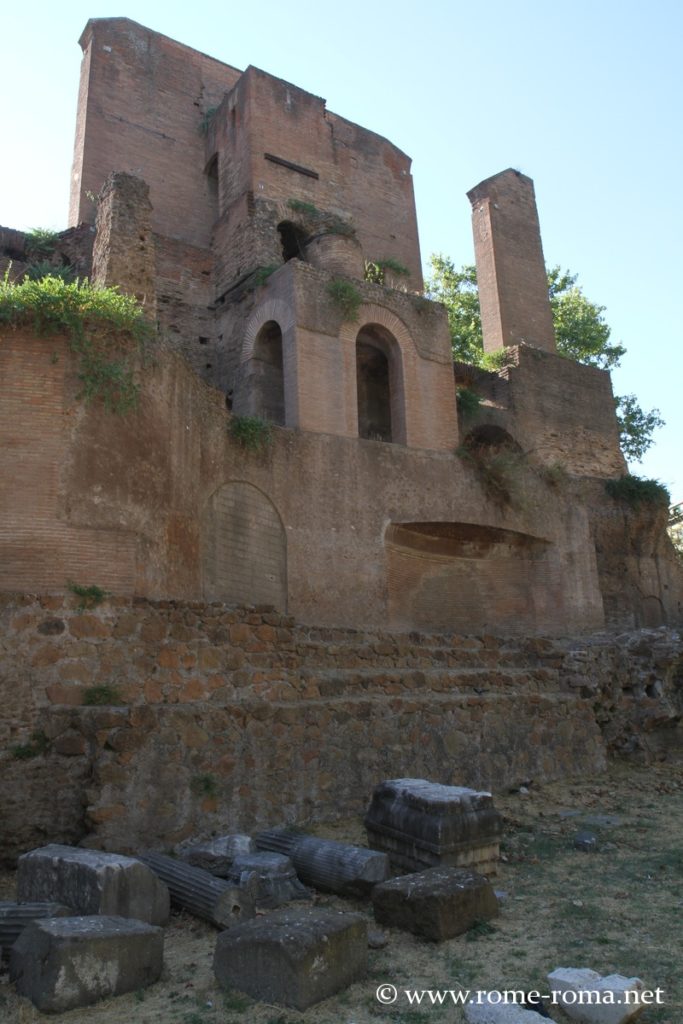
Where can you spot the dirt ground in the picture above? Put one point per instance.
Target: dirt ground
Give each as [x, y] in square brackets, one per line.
[618, 910]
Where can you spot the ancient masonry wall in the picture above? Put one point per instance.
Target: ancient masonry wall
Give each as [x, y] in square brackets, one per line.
[214, 718]
[89, 502]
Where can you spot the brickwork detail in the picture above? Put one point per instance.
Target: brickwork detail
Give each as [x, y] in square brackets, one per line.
[513, 288]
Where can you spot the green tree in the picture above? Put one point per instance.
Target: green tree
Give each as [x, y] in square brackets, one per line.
[580, 329]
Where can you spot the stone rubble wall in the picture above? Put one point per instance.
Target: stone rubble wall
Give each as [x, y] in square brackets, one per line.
[222, 718]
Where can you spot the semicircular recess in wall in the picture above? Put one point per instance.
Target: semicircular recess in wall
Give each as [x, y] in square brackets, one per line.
[244, 548]
[468, 578]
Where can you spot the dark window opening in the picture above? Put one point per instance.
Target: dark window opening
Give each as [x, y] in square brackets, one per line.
[212, 179]
[203, 340]
[267, 377]
[374, 392]
[293, 241]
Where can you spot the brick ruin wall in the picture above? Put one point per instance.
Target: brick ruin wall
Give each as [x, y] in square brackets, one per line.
[221, 718]
[88, 503]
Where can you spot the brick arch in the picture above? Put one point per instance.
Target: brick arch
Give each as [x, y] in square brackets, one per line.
[271, 309]
[369, 313]
[401, 354]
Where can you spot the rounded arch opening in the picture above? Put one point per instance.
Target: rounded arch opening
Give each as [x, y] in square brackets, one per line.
[381, 416]
[267, 376]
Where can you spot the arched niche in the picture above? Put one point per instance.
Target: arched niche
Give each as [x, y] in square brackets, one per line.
[267, 384]
[379, 385]
[244, 548]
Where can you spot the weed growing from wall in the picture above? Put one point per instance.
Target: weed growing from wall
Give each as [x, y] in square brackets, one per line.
[262, 274]
[206, 120]
[497, 360]
[43, 268]
[102, 696]
[635, 491]
[468, 401]
[203, 784]
[376, 270]
[90, 596]
[555, 474]
[320, 222]
[39, 744]
[251, 432]
[346, 297]
[101, 324]
[498, 470]
[41, 243]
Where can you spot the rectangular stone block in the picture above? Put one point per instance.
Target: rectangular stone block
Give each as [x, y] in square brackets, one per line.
[293, 957]
[93, 882]
[421, 824]
[438, 903]
[66, 962]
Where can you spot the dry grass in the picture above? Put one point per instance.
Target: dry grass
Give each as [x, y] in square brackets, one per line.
[618, 910]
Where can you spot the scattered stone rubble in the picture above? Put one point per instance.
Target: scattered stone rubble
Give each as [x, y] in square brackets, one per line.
[86, 924]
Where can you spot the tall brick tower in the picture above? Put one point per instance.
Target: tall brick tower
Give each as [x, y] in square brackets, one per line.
[513, 288]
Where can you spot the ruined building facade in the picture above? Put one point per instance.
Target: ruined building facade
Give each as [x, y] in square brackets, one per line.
[242, 213]
[296, 623]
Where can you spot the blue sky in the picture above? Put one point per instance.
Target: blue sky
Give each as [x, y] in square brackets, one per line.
[584, 97]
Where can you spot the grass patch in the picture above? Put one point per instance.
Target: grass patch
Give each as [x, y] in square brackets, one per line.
[468, 401]
[251, 432]
[43, 268]
[497, 360]
[41, 243]
[555, 475]
[39, 744]
[346, 297]
[90, 596]
[497, 468]
[376, 270]
[101, 324]
[479, 930]
[635, 491]
[321, 222]
[102, 696]
[203, 784]
[206, 120]
[262, 274]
